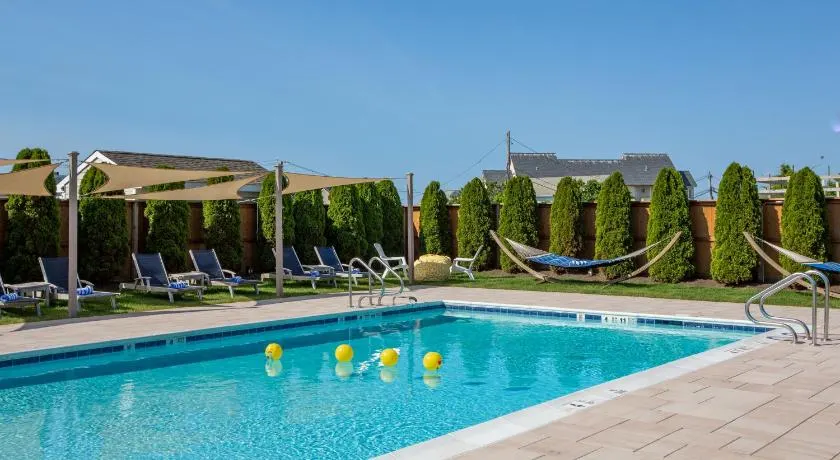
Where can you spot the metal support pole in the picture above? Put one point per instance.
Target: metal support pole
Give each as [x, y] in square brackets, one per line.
[409, 219]
[278, 229]
[135, 232]
[73, 237]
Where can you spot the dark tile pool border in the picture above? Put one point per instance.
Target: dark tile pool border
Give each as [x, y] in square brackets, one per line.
[82, 351]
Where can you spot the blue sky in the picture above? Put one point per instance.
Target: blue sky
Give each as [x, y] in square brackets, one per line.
[380, 88]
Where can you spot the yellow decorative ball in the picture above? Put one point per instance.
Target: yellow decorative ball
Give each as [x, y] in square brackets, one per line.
[432, 361]
[343, 370]
[343, 353]
[389, 357]
[273, 351]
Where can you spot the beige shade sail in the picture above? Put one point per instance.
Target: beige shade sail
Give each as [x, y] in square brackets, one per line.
[221, 191]
[304, 182]
[6, 162]
[123, 177]
[27, 182]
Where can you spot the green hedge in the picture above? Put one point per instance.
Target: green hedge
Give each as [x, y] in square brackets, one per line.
[103, 231]
[345, 228]
[266, 202]
[474, 222]
[33, 226]
[168, 227]
[804, 221]
[518, 220]
[221, 227]
[612, 225]
[590, 190]
[310, 223]
[669, 215]
[738, 209]
[566, 218]
[372, 214]
[435, 233]
[393, 226]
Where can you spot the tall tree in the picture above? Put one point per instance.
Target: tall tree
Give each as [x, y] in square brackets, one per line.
[566, 221]
[738, 210]
[33, 225]
[103, 231]
[590, 190]
[168, 227]
[804, 220]
[612, 224]
[435, 233]
[221, 222]
[393, 226]
[345, 228]
[310, 223]
[474, 222]
[372, 211]
[669, 215]
[518, 220]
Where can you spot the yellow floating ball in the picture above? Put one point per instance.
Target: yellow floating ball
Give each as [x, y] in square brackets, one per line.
[343, 353]
[387, 374]
[343, 370]
[432, 361]
[431, 379]
[389, 357]
[273, 351]
[273, 368]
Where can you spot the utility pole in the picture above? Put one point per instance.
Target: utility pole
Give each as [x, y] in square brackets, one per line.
[507, 163]
[711, 189]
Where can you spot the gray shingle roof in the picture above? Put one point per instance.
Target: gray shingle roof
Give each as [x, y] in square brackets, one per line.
[637, 168]
[151, 160]
[494, 175]
[688, 179]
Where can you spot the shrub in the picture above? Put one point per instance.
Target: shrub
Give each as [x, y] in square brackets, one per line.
[518, 220]
[590, 190]
[33, 225]
[393, 226]
[669, 215]
[103, 231]
[168, 227]
[804, 222]
[435, 234]
[738, 209]
[345, 228]
[612, 225]
[221, 227]
[566, 222]
[372, 215]
[310, 221]
[266, 202]
[474, 222]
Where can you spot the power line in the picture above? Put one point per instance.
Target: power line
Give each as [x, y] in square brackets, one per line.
[523, 145]
[476, 163]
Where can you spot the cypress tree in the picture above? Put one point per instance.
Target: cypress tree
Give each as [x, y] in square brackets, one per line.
[33, 225]
[221, 222]
[435, 233]
[738, 209]
[474, 222]
[345, 228]
[612, 224]
[168, 227]
[804, 220]
[103, 231]
[265, 206]
[518, 220]
[310, 222]
[669, 215]
[393, 227]
[590, 190]
[566, 221]
[372, 212]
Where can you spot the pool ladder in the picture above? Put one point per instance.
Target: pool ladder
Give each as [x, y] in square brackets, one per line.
[787, 323]
[383, 291]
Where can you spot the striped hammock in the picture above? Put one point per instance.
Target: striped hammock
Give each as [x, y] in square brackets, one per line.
[539, 256]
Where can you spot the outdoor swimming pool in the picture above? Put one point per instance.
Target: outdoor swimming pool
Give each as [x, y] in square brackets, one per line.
[209, 397]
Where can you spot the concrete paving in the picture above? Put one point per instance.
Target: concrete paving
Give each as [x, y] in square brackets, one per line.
[778, 402]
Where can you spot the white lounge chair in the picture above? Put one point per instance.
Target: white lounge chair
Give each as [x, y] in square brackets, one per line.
[468, 270]
[401, 264]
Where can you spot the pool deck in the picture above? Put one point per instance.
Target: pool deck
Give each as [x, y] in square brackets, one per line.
[777, 402]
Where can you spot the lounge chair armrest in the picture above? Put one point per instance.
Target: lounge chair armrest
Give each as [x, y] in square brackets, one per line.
[286, 271]
[86, 283]
[230, 273]
[320, 268]
[462, 259]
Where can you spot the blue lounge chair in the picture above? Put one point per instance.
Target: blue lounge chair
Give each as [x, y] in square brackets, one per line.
[152, 277]
[329, 257]
[10, 299]
[293, 270]
[55, 272]
[207, 262]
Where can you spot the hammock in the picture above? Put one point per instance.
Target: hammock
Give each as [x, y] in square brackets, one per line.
[827, 266]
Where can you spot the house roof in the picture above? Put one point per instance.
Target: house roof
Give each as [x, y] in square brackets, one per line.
[151, 160]
[494, 175]
[637, 168]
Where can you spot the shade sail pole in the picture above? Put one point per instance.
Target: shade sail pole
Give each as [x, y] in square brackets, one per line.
[73, 237]
[409, 229]
[278, 229]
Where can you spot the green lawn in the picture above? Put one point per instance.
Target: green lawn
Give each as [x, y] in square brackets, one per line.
[633, 288]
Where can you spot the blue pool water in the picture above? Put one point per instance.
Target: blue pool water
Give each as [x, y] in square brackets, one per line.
[215, 399]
